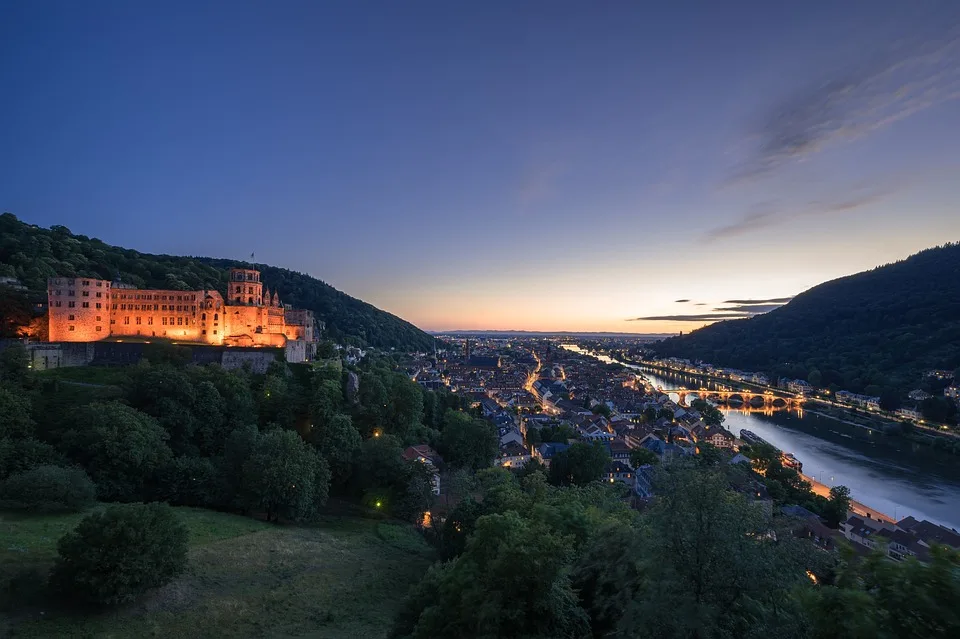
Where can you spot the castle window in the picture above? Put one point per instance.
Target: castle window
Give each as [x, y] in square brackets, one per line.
[113, 321]
[126, 320]
[99, 305]
[86, 282]
[98, 318]
[71, 304]
[86, 304]
[57, 292]
[71, 317]
[114, 307]
[179, 307]
[203, 317]
[72, 328]
[85, 293]
[216, 316]
[57, 303]
[99, 294]
[171, 321]
[100, 284]
[239, 289]
[98, 329]
[71, 293]
[250, 300]
[149, 321]
[163, 307]
[179, 298]
[250, 290]
[164, 320]
[214, 331]
[203, 332]
[238, 299]
[138, 321]
[179, 321]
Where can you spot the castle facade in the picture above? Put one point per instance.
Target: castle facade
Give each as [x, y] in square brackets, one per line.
[88, 310]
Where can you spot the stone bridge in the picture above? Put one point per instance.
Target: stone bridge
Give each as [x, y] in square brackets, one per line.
[746, 397]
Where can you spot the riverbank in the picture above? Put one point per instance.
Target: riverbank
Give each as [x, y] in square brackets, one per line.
[935, 435]
[896, 475]
[855, 506]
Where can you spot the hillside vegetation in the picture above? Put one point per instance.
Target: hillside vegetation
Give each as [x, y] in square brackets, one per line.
[32, 254]
[340, 577]
[879, 328]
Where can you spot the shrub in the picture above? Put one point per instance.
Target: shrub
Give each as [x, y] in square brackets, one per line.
[48, 489]
[19, 455]
[114, 556]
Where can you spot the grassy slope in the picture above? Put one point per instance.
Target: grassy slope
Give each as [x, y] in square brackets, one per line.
[339, 578]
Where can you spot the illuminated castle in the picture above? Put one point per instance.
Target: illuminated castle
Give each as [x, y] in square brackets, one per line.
[88, 310]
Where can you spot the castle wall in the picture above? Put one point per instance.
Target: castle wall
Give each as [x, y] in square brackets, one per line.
[155, 313]
[295, 351]
[84, 310]
[117, 353]
[258, 360]
[78, 309]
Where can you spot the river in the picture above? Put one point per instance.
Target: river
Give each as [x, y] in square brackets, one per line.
[892, 475]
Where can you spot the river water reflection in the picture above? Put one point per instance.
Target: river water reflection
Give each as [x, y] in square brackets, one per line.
[890, 474]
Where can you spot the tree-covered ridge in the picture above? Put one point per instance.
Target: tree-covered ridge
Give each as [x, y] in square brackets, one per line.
[32, 254]
[882, 327]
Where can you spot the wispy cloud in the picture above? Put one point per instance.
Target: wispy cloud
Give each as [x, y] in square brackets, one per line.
[905, 78]
[766, 217]
[750, 222]
[755, 309]
[772, 300]
[705, 317]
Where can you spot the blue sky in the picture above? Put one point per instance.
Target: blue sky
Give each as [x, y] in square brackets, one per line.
[537, 165]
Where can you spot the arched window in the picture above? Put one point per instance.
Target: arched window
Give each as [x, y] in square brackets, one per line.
[216, 316]
[250, 300]
[203, 317]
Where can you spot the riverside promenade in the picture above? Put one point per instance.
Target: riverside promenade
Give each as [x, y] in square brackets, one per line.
[855, 506]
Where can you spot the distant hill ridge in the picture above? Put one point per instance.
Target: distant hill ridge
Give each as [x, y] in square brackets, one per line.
[882, 327]
[32, 254]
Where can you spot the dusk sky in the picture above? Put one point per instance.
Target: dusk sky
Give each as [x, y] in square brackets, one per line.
[502, 165]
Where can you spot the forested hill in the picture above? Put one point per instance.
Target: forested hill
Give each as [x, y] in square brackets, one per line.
[32, 254]
[877, 328]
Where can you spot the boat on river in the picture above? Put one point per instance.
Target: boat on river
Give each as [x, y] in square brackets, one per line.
[752, 438]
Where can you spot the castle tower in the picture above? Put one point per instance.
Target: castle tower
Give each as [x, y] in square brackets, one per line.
[276, 299]
[245, 287]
